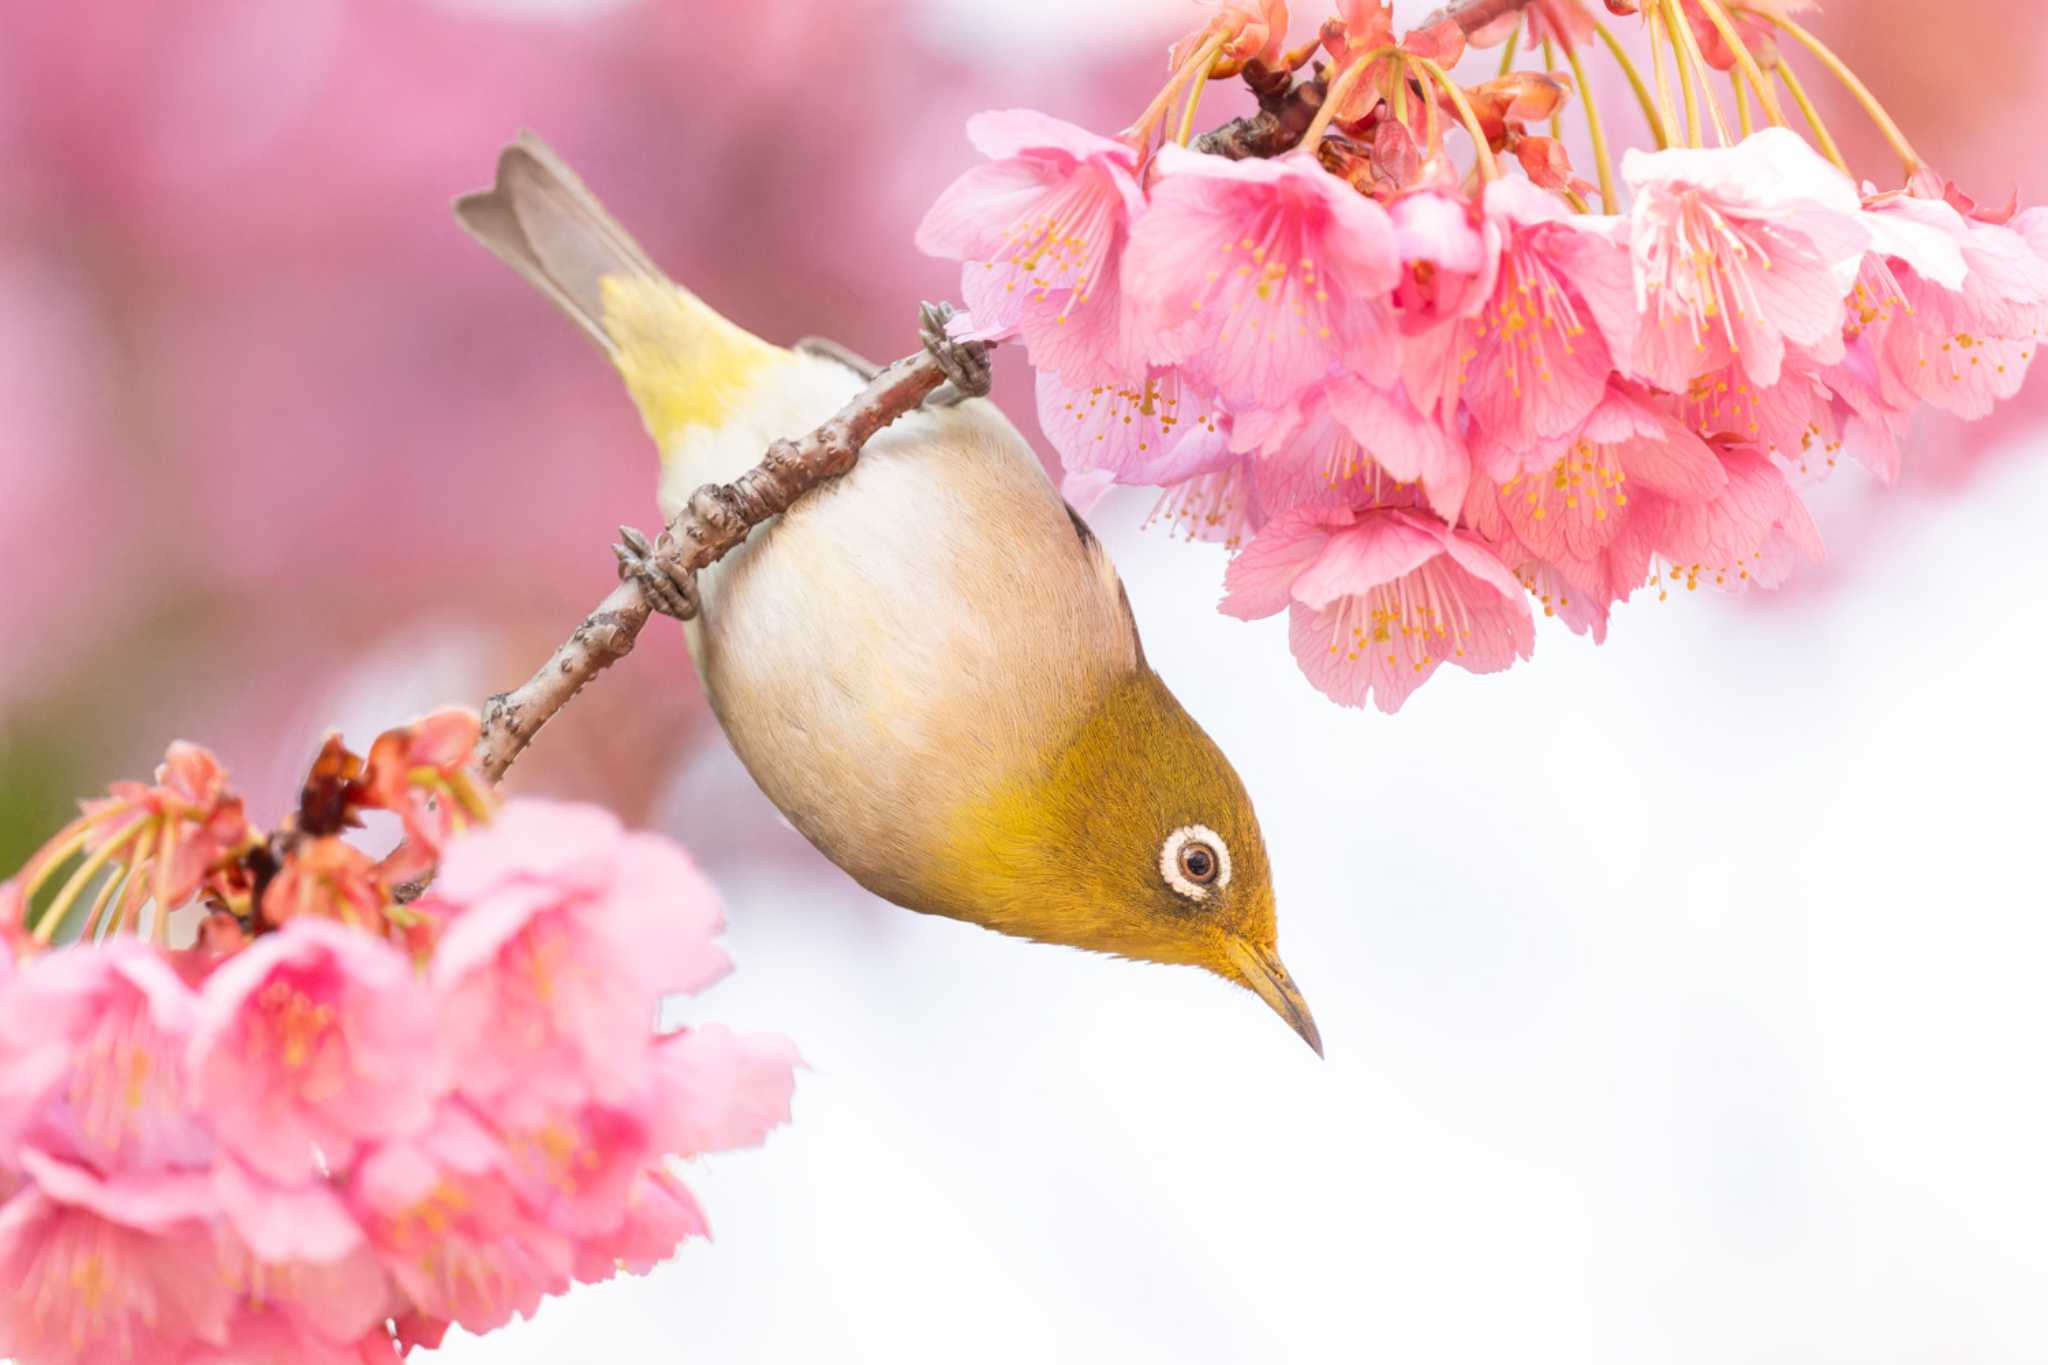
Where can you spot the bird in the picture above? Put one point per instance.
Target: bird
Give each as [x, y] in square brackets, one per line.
[929, 665]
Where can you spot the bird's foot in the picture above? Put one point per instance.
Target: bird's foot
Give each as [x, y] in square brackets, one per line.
[670, 591]
[965, 363]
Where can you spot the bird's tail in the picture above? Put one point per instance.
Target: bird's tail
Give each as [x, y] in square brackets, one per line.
[684, 364]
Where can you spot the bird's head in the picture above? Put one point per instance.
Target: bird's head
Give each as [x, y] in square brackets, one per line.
[1133, 837]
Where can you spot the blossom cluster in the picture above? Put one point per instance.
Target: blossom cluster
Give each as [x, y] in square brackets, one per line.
[343, 1116]
[1421, 402]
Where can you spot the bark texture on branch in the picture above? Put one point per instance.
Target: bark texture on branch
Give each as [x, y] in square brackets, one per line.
[512, 719]
[1286, 108]
[717, 519]
[719, 516]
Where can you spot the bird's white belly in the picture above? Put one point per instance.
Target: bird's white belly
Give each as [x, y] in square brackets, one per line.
[902, 639]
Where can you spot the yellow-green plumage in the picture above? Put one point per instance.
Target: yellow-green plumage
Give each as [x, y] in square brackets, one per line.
[929, 664]
[1043, 854]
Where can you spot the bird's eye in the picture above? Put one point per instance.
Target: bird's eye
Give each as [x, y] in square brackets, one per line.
[1194, 861]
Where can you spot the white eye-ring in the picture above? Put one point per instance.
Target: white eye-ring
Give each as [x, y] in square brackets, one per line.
[1194, 860]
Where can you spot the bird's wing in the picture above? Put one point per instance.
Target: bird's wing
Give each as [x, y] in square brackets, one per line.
[1105, 571]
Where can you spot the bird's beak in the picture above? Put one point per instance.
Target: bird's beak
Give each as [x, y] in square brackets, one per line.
[1262, 970]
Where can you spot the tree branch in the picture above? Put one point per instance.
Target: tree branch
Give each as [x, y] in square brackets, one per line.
[1288, 106]
[716, 519]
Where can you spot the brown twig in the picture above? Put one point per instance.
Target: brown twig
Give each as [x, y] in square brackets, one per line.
[716, 519]
[512, 719]
[1287, 107]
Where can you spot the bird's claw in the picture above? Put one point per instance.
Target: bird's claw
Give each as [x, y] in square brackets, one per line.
[964, 363]
[669, 591]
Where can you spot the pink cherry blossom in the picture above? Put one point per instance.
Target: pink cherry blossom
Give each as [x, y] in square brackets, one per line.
[721, 1089]
[1568, 502]
[182, 824]
[1410, 447]
[332, 879]
[314, 1039]
[1861, 386]
[1450, 262]
[272, 1337]
[1158, 431]
[1341, 426]
[573, 1169]
[1259, 276]
[1220, 505]
[330, 1304]
[1583, 611]
[1536, 360]
[1739, 252]
[1042, 229]
[1872, 417]
[1251, 29]
[569, 931]
[1321, 462]
[1797, 420]
[413, 1330]
[1751, 534]
[1381, 599]
[282, 1224]
[1963, 347]
[660, 1216]
[92, 1060]
[106, 1270]
[2032, 226]
[450, 1229]
[420, 771]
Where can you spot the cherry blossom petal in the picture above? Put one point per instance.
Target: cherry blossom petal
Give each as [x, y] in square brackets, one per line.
[314, 1039]
[1258, 276]
[1041, 230]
